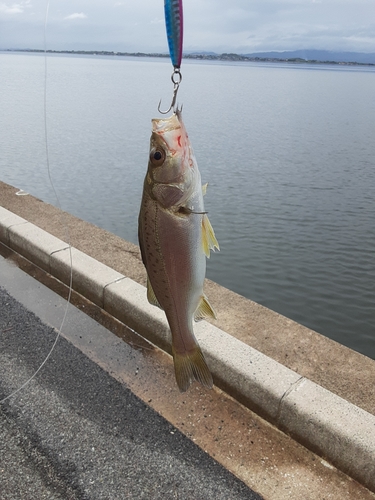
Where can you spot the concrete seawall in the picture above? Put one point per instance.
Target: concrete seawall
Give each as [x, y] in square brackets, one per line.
[312, 388]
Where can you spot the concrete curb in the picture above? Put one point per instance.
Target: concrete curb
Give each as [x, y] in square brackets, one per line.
[324, 422]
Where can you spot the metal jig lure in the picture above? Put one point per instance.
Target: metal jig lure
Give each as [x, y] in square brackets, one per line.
[174, 25]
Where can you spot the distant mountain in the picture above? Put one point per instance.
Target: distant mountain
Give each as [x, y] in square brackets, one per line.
[296, 56]
[318, 55]
[201, 53]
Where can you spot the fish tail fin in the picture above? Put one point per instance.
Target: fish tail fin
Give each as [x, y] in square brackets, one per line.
[190, 366]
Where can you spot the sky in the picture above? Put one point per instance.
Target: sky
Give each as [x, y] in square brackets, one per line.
[241, 26]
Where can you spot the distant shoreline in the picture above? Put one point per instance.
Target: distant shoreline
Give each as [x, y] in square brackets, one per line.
[199, 57]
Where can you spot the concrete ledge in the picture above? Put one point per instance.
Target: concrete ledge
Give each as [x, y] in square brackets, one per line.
[329, 364]
[338, 430]
[38, 245]
[126, 300]
[8, 220]
[332, 427]
[253, 378]
[89, 277]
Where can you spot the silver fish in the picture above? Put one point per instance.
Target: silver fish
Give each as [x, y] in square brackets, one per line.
[175, 236]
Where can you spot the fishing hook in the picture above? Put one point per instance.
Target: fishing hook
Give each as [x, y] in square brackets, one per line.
[176, 80]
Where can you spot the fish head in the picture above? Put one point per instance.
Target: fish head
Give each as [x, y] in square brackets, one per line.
[172, 169]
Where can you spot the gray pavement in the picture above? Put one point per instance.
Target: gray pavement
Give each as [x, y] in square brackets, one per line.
[76, 433]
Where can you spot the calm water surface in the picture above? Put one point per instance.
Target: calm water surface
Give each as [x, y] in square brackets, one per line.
[288, 151]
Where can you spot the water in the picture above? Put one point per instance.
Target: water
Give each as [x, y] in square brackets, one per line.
[288, 151]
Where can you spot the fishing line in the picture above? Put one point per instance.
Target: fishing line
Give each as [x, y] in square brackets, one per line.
[65, 224]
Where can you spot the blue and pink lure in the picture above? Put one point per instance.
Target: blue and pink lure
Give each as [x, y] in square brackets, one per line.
[174, 24]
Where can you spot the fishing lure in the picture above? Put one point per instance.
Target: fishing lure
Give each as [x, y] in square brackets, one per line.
[174, 25]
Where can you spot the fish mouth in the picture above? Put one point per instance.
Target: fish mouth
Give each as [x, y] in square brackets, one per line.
[163, 125]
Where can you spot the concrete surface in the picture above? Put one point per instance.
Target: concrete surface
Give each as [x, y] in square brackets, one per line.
[82, 429]
[342, 371]
[299, 406]
[89, 277]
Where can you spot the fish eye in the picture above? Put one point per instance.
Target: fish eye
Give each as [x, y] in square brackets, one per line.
[157, 156]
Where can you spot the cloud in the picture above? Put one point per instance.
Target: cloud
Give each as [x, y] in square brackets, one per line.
[15, 8]
[76, 15]
[242, 26]
[157, 21]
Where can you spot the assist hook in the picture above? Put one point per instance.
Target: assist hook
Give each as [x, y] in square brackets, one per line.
[176, 80]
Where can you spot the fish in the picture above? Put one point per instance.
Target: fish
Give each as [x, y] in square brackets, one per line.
[175, 237]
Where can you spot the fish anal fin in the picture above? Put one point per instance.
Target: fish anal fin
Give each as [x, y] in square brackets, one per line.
[190, 366]
[209, 241]
[151, 297]
[204, 310]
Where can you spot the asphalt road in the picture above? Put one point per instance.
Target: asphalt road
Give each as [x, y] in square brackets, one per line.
[76, 433]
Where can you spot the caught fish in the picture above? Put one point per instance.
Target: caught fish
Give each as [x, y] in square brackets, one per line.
[175, 236]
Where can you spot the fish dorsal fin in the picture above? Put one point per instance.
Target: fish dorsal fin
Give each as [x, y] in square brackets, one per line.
[209, 240]
[151, 297]
[204, 310]
[204, 188]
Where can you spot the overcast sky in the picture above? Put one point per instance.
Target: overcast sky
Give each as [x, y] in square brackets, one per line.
[240, 26]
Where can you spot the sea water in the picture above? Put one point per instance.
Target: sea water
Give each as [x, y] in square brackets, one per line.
[288, 151]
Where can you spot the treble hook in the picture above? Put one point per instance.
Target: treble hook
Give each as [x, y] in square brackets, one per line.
[176, 80]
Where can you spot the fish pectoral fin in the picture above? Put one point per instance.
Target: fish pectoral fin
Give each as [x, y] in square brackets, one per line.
[209, 241]
[191, 366]
[204, 310]
[151, 297]
[204, 188]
